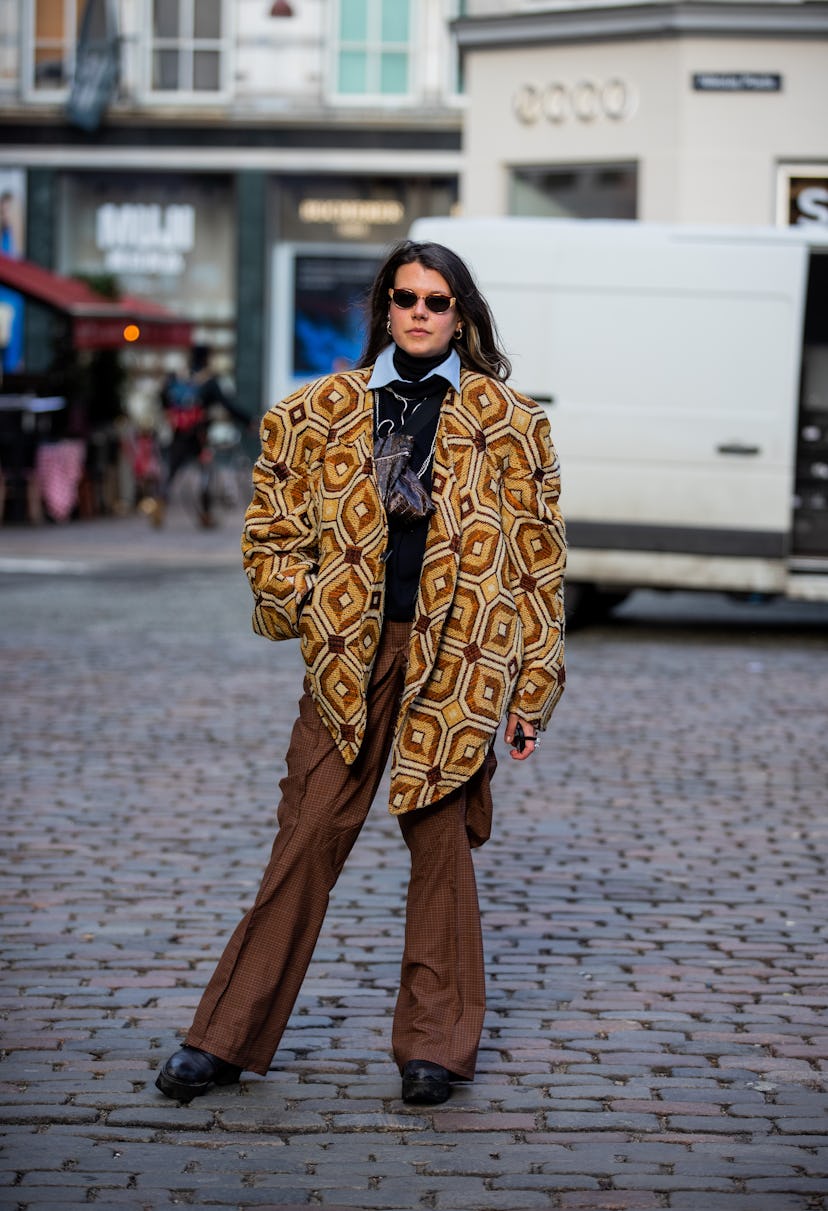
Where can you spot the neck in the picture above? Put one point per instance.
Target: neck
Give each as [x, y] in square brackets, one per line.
[410, 366]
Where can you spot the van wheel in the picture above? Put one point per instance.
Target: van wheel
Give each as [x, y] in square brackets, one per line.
[585, 603]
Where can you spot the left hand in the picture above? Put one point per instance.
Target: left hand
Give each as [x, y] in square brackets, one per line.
[529, 731]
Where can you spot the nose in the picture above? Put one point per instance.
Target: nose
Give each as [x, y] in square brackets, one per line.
[419, 309]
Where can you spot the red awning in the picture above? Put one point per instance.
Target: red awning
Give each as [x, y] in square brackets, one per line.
[97, 322]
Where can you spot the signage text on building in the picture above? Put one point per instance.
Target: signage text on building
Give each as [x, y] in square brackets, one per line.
[737, 82]
[802, 195]
[145, 237]
[351, 210]
[584, 101]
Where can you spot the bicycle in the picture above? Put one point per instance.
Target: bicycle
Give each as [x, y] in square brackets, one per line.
[220, 478]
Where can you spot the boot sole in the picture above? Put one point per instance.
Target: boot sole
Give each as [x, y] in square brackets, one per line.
[183, 1091]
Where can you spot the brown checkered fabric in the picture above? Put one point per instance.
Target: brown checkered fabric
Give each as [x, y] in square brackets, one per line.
[440, 1006]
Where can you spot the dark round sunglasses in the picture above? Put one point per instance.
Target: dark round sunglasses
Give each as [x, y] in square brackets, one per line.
[405, 300]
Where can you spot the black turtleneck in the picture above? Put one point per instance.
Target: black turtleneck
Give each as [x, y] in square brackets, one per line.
[406, 544]
[410, 366]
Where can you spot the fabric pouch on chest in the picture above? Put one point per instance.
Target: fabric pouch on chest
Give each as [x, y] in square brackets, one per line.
[403, 495]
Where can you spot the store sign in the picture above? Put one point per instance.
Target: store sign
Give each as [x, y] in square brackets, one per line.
[352, 218]
[812, 204]
[802, 196]
[169, 237]
[145, 237]
[376, 211]
[737, 82]
[583, 101]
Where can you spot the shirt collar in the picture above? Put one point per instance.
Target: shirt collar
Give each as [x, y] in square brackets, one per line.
[385, 371]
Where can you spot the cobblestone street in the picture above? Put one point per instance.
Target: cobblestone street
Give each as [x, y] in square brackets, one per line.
[655, 909]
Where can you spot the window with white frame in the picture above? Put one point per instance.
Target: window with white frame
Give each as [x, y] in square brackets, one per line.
[188, 46]
[9, 45]
[53, 35]
[373, 48]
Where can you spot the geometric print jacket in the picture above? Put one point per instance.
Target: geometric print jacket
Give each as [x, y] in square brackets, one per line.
[488, 630]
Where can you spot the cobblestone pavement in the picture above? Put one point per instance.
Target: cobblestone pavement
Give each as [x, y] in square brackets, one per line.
[654, 905]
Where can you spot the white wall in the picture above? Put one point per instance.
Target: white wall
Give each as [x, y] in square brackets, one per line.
[703, 157]
[281, 60]
[731, 144]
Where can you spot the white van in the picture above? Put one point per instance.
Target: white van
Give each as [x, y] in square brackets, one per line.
[685, 371]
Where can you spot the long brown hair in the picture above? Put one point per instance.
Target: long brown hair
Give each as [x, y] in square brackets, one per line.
[478, 346]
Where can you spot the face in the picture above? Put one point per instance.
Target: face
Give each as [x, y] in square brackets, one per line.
[419, 331]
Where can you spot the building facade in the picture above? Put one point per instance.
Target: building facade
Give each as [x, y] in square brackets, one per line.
[686, 111]
[244, 163]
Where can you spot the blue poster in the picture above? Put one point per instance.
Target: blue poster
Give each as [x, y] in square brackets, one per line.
[330, 298]
[12, 189]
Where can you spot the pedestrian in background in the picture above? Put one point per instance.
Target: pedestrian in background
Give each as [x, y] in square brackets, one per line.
[187, 403]
[405, 526]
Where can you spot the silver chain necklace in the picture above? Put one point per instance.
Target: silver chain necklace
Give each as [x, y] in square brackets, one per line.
[405, 402]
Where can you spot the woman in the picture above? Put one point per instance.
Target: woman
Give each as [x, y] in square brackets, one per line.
[417, 636]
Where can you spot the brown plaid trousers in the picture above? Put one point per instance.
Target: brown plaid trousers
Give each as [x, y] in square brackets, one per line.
[441, 1000]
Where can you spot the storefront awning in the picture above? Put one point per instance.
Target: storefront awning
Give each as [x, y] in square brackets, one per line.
[97, 322]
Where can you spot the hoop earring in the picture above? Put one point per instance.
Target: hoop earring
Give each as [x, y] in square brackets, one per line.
[388, 325]
[458, 331]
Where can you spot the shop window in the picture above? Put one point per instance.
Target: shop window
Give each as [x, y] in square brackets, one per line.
[188, 46]
[373, 48]
[582, 191]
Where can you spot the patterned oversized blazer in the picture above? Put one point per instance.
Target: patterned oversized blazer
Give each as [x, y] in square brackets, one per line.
[487, 635]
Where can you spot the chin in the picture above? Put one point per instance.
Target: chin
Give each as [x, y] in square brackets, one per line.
[422, 346]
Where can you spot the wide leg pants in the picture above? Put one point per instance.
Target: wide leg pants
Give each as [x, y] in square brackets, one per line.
[441, 999]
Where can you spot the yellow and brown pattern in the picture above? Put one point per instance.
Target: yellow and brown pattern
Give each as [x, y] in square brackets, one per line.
[487, 636]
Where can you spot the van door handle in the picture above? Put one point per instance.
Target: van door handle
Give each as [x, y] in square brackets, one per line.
[737, 448]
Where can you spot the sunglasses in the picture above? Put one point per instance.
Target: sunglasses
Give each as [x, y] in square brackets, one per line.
[406, 299]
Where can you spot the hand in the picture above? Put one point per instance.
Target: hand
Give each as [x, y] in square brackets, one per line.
[531, 743]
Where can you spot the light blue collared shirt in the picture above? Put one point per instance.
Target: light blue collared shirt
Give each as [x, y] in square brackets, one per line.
[385, 371]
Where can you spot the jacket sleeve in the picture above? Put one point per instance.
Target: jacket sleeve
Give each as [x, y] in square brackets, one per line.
[534, 531]
[280, 537]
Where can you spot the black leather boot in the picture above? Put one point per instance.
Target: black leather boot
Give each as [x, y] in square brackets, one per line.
[425, 1083]
[192, 1072]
